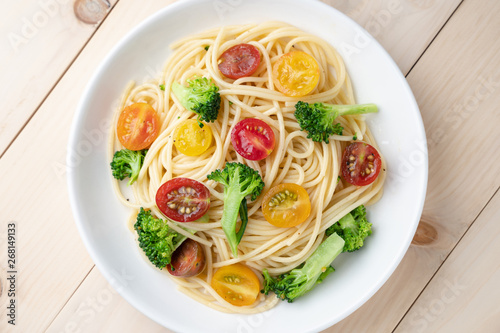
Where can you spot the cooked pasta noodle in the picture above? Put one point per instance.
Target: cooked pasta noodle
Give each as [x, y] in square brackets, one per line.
[295, 159]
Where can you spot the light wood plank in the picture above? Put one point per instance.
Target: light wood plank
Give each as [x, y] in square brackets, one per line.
[462, 121]
[402, 27]
[52, 259]
[50, 286]
[40, 39]
[94, 302]
[464, 294]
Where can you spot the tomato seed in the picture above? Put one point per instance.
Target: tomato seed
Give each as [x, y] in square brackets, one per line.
[352, 158]
[370, 157]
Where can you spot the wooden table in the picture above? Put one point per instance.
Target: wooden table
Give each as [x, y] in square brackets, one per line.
[449, 279]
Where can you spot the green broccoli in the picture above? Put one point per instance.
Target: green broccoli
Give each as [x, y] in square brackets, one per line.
[156, 238]
[128, 163]
[299, 281]
[200, 96]
[239, 182]
[353, 228]
[318, 119]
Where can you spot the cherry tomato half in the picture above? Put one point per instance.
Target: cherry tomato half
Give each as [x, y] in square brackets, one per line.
[239, 61]
[253, 139]
[190, 139]
[188, 260]
[296, 74]
[183, 199]
[138, 126]
[361, 164]
[286, 205]
[237, 284]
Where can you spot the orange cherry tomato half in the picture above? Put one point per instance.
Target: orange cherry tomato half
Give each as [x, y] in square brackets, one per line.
[286, 205]
[239, 61]
[361, 164]
[192, 140]
[253, 139]
[183, 199]
[237, 284]
[296, 74]
[138, 126]
[187, 260]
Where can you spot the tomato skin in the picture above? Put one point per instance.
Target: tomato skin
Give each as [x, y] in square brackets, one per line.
[237, 284]
[138, 126]
[239, 61]
[190, 139]
[286, 205]
[361, 164]
[188, 259]
[172, 197]
[296, 74]
[253, 139]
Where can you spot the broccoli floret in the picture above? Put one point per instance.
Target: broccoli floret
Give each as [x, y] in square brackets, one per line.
[239, 182]
[318, 119]
[128, 163]
[200, 96]
[299, 281]
[156, 238]
[353, 228]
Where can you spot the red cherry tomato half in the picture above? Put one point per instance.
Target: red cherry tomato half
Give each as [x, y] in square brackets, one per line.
[361, 164]
[239, 61]
[188, 260]
[253, 139]
[183, 199]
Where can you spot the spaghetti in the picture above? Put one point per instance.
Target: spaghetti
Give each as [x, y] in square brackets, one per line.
[295, 159]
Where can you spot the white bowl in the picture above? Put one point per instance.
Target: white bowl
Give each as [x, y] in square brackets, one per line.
[397, 127]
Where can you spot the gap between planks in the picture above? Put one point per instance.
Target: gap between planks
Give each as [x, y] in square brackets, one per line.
[58, 80]
[446, 258]
[69, 298]
[84, 46]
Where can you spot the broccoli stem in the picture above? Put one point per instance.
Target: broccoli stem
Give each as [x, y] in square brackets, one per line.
[324, 255]
[244, 219]
[232, 200]
[344, 110]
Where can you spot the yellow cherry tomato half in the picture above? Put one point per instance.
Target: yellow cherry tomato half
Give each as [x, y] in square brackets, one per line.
[190, 139]
[138, 126]
[237, 284]
[296, 74]
[286, 205]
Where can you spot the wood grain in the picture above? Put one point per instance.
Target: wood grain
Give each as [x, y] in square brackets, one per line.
[463, 296]
[55, 266]
[66, 316]
[34, 191]
[457, 131]
[403, 27]
[97, 307]
[40, 39]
